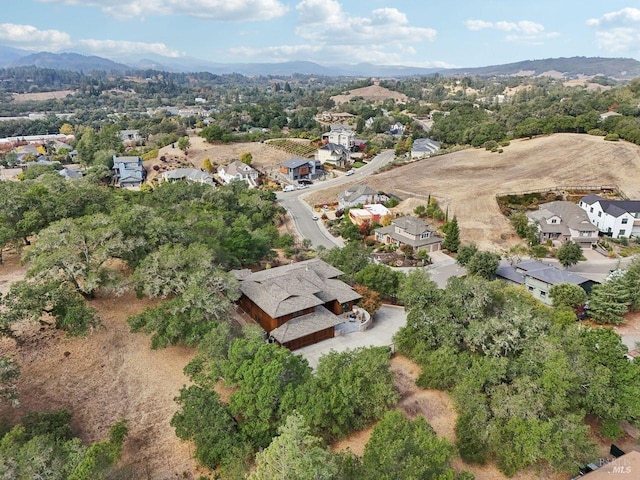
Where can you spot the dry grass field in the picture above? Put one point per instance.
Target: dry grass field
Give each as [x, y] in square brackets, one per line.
[467, 181]
[374, 93]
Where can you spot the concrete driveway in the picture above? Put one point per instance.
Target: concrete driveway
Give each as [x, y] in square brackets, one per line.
[386, 322]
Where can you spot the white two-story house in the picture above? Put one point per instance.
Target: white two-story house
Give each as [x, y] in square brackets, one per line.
[340, 136]
[617, 218]
[237, 170]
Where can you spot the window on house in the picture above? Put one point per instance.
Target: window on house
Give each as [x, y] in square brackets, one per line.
[591, 210]
[625, 221]
[530, 288]
[543, 293]
[553, 220]
[622, 233]
[599, 214]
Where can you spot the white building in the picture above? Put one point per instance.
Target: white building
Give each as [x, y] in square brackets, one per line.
[618, 218]
[237, 170]
[341, 136]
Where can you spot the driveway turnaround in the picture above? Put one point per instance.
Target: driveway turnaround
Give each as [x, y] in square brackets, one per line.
[386, 322]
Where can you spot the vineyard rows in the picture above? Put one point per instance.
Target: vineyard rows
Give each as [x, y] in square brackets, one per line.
[294, 148]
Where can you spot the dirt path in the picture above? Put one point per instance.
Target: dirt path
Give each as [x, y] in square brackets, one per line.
[109, 375]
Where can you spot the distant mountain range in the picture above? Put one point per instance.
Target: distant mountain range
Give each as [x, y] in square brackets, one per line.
[618, 68]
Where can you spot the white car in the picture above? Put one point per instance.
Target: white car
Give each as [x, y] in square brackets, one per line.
[302, 187]
[350, 172]
[314, 216]
[289, 188]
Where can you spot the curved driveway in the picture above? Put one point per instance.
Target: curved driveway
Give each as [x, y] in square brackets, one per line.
[302, 214]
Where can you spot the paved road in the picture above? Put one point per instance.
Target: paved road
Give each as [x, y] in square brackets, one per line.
[301, 213]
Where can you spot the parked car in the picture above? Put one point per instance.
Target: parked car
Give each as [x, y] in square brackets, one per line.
[289, 188]
[350, 172]
[314, 216]
[304, 181]
[302, 187]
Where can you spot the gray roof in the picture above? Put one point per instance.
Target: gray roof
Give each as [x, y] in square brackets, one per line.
[128, 159]
[549, 274]
[291, 288]
[425, 145]
[295, 162]
[614, 208]
[192, 174]
[334, 147]
[353, 193]
[412, 225]
[236, 167]
[69, 173]
[570, 215]
[509, 272]
[305, 325]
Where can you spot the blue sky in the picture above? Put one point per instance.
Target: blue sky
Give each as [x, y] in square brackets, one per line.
[426, 33]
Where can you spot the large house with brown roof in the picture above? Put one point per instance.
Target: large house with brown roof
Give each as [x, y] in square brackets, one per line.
[297, 304]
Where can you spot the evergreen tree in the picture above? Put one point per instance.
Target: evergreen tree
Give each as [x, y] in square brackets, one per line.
[452, 238]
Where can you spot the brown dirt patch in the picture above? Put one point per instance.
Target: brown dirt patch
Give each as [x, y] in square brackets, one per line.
[438, 409]
[109, 375]
[468, 181]
[28, 97]
[374, 93]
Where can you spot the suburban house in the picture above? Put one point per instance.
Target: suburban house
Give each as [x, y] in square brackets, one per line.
[538, 278]
[128, 171]
[188, 175]
[423, 147]
[396, 129]
[375, 213]
[333, 153]
[360, 195]
[70, 173]
[563, 221]
[409, 230]
[300, 168]
[617, 218]
[297, 304]
[130, 136]
[341, 136]
[237, 170]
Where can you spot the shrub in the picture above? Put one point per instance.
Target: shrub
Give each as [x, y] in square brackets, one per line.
[597, 132]
[612, 137]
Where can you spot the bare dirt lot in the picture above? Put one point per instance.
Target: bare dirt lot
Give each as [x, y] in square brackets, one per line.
[27, 97]
[374, 93]
[109, 375]
[467, 181]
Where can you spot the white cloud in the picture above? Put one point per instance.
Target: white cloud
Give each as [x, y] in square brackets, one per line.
[524, 31]
[619, 31]
[30, 38]
[221, 10]
[332, 35]
[110, 48]
[319, 12]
